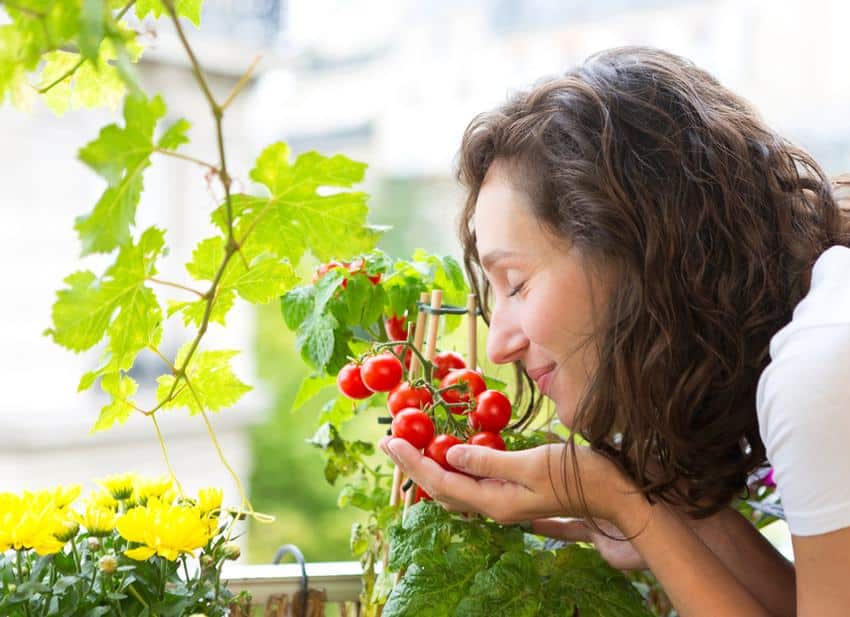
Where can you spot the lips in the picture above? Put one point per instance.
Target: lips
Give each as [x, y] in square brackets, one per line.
[542, 375]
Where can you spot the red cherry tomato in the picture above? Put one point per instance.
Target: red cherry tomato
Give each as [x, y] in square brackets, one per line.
[473, 380]
[446, 361]
[439, 447]
[414, 426]
[350, 382]
[488, 439]
[381, 373]
[396, 328]
[358, 266]
[420, 495]
[399, 349]
[323, 269]
[404, 395]
[492, 412]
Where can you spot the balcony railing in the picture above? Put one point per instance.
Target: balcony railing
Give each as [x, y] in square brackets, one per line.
[278, 588]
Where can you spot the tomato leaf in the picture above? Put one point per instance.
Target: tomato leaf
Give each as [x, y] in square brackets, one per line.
[510, 588]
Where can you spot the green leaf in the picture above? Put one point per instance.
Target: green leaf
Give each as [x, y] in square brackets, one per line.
[83, 313]
[264, 278]
[581, 578]
[310, 387]
[120, 156]
[212, 384]
[121, 388]
[296, 305]
[435, 583]
[92, 27]
[315, 339]
[175, 135]
[190, 9]
[427, 525]
[296, 215]
[511, 588]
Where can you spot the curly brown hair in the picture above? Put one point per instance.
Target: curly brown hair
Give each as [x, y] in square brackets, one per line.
[714, 221]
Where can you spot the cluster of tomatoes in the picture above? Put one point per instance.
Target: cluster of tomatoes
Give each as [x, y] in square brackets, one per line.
[358, 266]
[461, 391]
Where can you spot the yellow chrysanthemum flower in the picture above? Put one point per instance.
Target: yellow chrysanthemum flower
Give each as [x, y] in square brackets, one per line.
[64, 496]
[209, 499]
[30, 521]
[68, 530]
[97, 520]
[102, 499]
[164, 529]
[120, 486]
[147, 488]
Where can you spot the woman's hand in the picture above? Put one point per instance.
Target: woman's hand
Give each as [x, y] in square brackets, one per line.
[511, 487]
[618, 552]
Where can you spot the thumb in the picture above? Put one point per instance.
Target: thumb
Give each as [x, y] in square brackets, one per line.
[486, 462]
[569, 529]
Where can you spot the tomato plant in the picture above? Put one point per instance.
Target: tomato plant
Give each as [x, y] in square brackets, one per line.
[492, 412]
[439, 447]
[488, 439]
[396, 328]
[446, 361]
[405, 395]
[467, 385]
[382, 373]
[350, 382]
[414, 426]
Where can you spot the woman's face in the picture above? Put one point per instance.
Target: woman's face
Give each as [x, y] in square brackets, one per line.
[545, 296]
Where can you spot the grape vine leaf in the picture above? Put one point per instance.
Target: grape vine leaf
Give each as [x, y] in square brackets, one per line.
[264, 278]
[118, 304]
[210, 382]
[121, 155]
[310, 387]
[190, 9]
[121, 388]
[299, 212]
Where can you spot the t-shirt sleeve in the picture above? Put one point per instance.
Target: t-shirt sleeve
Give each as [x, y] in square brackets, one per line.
[803, 404]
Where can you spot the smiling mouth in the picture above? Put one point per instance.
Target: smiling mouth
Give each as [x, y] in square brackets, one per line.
[542, 376]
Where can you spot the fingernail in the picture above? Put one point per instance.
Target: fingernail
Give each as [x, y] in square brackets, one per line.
[457, 456]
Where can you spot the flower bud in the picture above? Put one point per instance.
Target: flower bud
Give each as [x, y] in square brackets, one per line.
[108, 564]
[231, 550]
[12, 588]
[207, 562]
[67, 531]
[94, 544]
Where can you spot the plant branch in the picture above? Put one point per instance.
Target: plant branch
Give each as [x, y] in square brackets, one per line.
[176, 285]
[241, 83]
[184, 157]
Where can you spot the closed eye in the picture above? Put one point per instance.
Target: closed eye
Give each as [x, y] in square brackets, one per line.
[516, 290]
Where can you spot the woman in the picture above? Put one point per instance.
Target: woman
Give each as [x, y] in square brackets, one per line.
[642, 240]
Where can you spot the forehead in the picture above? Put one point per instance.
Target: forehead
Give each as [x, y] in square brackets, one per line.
[503, 218]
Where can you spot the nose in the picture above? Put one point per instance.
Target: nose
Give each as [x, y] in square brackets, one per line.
[506, 340]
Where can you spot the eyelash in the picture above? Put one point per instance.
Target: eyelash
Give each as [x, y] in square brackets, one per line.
[516, 290]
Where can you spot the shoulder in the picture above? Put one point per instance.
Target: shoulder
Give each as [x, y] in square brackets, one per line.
[803, 401]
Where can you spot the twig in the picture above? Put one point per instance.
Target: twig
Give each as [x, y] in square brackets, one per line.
[184, 157]
[241, 83]
[176, 285]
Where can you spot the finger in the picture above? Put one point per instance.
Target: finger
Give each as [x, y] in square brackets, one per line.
[498, 499]
[568, 529]
[489, 463]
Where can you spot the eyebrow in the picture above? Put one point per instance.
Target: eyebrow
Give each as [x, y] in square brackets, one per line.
[490, 258]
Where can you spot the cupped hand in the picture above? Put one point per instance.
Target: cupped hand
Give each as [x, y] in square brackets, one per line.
[511, 487]
[608, 539]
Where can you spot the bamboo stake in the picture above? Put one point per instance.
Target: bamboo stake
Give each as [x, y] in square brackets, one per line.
[418, 338]
[472, 331]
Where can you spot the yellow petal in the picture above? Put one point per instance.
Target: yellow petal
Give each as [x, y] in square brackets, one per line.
[141, 553]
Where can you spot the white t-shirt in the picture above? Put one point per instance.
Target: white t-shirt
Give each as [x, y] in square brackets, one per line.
[803, 402]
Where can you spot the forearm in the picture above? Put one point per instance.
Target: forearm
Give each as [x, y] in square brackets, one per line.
[751, 559]
[696, 580]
